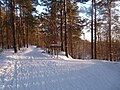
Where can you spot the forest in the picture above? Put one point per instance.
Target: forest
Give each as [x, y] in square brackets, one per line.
[21, 25]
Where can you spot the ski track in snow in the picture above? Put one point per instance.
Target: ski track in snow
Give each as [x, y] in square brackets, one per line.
[33, 70]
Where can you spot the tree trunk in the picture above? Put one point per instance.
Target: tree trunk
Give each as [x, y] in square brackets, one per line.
[13, 24]
[61, 24]
[95, 25]
[65, 11]
[6, 26]
[92, 30]
[109, 31]
[27, 41]
[23, 33]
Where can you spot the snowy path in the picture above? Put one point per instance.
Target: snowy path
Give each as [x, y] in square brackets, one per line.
[33, 70]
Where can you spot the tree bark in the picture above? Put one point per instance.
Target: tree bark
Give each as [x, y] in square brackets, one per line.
[6, 26]
[13, 24]
[95, 35]
[61, 24]
[92, 30]
[109, 31]
[65, 11]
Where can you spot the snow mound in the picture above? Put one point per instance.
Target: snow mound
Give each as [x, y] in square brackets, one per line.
[62, 56]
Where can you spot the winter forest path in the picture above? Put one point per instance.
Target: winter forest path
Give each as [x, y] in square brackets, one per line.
[33, 70]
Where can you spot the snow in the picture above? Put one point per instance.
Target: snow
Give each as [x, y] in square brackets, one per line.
[30, 69]
[62, 56]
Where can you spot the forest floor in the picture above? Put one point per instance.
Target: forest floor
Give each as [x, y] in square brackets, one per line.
[33, 69]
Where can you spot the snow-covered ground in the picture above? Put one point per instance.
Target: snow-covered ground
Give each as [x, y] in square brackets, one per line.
[32, 69]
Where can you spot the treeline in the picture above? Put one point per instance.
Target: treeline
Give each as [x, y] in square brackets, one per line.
[105, 29]
[17, 23]
[103, 22]
[61, 22]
